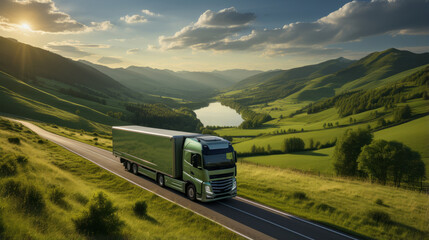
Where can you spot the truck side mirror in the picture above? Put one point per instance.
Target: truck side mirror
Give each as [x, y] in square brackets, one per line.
[235, 156]
[196, 160]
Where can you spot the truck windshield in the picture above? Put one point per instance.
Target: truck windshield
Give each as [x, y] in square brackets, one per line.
[218, 161]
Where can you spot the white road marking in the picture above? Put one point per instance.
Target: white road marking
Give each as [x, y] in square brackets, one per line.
[295, 217]
[265, 220]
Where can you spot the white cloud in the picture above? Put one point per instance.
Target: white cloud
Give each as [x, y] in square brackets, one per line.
[139, 18]
[352, 22]
[43, 16]
[134, 19]
[149, 13]
[73, 48]
[210, 28]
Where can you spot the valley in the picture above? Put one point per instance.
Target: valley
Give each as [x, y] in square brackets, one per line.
[315, 103]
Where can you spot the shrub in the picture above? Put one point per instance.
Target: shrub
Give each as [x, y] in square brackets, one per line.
[100, 219]
[379, 202]
[30, 198]
[33, 201]
[14, 140]
[300, 195]
[140, 208]
[1, 224]
[379, 216]
[57, 195]
[8, 167]
[21, 159]
[80, 198]
[325, 207]
[40, 141]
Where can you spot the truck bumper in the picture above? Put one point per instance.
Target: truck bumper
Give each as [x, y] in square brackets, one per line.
[214, 197]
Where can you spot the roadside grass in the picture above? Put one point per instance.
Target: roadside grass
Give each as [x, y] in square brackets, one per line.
[316, 162]
[348, 205]
[63, 183]
[102, 140]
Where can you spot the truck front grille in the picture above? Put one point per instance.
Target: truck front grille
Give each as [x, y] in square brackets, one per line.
[221, 175]
[222, 186]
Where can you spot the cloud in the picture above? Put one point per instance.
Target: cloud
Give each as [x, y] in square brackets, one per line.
[149, 13]
[41, 16]
[134, 19]
[109, 60]
[74, 49]
[210, 28]
[139, 18]
[133, 50]
[352, 22]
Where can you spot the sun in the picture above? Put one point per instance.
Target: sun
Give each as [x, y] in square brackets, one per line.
[26, 26]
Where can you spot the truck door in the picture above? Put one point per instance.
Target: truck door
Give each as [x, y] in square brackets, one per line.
[192, 167]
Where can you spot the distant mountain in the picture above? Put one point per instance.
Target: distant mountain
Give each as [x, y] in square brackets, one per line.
[182, 84]
[272, 85]
[236, 75]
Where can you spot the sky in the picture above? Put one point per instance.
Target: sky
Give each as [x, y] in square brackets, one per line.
[207, 35]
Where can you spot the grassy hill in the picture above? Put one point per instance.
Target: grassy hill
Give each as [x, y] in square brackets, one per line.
[43, 187]
[269, 86]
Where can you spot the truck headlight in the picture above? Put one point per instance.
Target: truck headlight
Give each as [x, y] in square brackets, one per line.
[234, 184]
[208, 189]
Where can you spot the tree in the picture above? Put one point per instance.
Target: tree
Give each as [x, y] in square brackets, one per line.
[402, 113]
[348, 149]
[253, 149]
[384, 161]
[269, 148]
[293, 145]
[100, 219]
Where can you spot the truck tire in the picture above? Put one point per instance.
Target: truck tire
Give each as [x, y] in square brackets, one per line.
[135, 169]
[191, 193]
[160, 180]
[128, 166]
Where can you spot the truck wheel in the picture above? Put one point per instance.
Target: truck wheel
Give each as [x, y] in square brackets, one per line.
[135, 169]
[128, 166]
[191, 193]
[160, 180]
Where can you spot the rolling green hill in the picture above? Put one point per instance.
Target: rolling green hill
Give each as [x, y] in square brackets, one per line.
[269, 86]
[314, 82]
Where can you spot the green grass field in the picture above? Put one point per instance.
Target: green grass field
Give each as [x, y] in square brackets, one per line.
[51, 168]
[338, 202]
[318, 161]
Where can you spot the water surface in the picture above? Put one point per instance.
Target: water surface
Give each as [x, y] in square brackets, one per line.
[215, 114]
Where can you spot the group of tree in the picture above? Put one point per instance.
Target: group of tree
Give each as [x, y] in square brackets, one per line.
[251, 118]
[117, 115]
[353, 102]
[356, 154]
[330, 125]
[80, 94]
[161, 116]
[293, 144]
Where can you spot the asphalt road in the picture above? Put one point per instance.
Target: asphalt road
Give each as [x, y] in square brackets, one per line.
[244, 217]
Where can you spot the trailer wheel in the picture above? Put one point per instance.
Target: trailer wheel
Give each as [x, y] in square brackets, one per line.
[191, 193]
[135, 169]
[128, 166]
[160, 179]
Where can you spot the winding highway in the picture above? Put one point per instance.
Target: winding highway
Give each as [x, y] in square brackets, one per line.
[248, 219]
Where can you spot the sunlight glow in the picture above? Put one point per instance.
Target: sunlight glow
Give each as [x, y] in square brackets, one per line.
[25, 26]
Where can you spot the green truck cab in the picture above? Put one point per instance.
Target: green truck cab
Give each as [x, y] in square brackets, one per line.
[201, 166]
